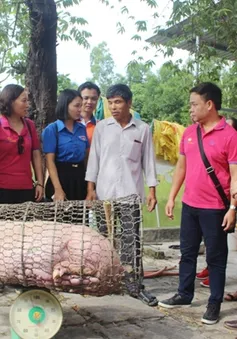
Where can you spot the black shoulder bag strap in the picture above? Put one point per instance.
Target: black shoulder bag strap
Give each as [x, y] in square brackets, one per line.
[210, 170]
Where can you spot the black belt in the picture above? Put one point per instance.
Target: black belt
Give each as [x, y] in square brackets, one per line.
[69, 164]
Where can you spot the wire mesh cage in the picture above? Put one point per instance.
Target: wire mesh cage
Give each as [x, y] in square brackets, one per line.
[74, 246]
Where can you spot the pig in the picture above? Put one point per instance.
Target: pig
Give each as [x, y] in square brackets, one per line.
[72, 258]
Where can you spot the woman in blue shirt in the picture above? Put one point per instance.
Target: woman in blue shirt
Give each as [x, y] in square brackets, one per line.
[65, 145]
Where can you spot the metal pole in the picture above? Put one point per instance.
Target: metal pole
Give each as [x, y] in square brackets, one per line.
[157, 216]
[197, 58]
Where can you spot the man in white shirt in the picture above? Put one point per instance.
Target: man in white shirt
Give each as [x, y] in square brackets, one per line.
[121, 154]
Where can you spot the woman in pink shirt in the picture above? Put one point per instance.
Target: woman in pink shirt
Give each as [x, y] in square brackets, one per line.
[19, 148]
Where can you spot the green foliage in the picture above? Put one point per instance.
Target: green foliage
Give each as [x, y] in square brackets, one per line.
[229, 85]
[102, 66]
[218, 18]
[65, 82]
[165, 95]
[13, 38]
[121, 28]
[15, 31]
[69, 3]
[141, 26]
[137, 72]
[69, 27]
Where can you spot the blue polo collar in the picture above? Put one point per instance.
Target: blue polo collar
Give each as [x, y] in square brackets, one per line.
[61, 125]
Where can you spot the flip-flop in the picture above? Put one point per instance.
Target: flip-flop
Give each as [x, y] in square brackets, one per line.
[231, 297]
[131, 284]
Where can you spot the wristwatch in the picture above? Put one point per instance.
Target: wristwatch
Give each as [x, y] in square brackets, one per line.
[233, 207]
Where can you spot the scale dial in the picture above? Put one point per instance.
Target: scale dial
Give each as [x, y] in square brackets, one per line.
[36, 314]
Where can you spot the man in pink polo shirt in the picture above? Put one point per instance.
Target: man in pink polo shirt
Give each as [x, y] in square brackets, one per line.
[204, 213]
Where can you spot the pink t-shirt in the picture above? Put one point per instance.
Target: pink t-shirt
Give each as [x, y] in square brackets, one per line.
[15, 169]
[220, 146]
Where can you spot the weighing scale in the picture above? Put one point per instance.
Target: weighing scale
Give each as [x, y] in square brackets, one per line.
[37, 314]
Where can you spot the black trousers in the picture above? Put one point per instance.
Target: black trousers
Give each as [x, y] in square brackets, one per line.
[127, 218]
[195, 224]
[9, 196]
[72, 180]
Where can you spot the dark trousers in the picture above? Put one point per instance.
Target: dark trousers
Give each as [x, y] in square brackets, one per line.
[195, 224]
[127, 218]
[72, 180]
[8, 196]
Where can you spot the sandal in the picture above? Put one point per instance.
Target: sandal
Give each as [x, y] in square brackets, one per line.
[147, 298]
[231, 296]
[131, 284]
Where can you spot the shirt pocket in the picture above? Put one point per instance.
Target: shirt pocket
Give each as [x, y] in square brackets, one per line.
[134, 150]
[79, 148]
[64, 140]
[64, 146]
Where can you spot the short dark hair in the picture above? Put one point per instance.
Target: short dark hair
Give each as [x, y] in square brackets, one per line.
[209, 91]
[64, 99]
[234, 122]
[7, 96]
[89, 85]
[119, 90]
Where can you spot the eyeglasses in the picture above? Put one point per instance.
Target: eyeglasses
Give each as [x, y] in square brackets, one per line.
[20, 145]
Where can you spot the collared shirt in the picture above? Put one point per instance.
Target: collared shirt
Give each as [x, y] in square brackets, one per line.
[66, 145]
[220, 146]
[15, 168]
[90, 126]
[119, 156]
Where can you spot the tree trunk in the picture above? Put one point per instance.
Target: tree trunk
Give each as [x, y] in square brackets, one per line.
[41, 74]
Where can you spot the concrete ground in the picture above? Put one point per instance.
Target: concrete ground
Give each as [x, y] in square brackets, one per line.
[123, 317]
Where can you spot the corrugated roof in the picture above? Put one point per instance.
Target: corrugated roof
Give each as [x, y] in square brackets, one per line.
[183, 29]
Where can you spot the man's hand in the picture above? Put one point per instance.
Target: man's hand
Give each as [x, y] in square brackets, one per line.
[151, 202]
[229, 220]
[91, 195]
[169, 209]
[59, 195]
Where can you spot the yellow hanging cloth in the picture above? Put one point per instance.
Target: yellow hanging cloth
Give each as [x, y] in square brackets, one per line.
[107, 112]
[166, 139]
